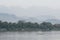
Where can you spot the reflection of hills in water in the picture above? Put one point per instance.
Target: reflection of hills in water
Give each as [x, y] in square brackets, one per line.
[43, 33]
[48, 33]
[30, 36]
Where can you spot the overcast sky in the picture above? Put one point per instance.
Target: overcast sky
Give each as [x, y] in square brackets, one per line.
[27, 3]
[32, 7]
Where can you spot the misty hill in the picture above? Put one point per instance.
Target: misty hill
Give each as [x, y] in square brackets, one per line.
[13, 18]
[54, 21]
[38, 19]
[8, 17]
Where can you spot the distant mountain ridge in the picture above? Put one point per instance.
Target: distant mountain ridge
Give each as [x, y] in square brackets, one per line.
[13, 18]
[54, 21]
[8, 17]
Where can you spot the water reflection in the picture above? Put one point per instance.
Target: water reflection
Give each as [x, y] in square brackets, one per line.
[30, 35]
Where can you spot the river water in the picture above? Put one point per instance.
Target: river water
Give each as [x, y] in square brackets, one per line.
[53, 35]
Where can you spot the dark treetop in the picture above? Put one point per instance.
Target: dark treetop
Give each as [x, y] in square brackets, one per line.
[28, 26]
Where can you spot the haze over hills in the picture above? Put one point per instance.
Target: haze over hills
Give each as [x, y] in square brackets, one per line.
[54, 21]
[13, 18]
[8, 17]
[32, 13]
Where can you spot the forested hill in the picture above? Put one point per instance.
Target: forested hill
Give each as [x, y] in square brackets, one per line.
[28, 26]
[13, 18]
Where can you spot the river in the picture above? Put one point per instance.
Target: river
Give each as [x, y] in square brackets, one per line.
[53, 35]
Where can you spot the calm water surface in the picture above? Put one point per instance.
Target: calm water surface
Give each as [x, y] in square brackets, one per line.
[54, 35]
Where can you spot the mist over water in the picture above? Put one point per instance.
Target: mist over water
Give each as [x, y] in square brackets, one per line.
[54, 35]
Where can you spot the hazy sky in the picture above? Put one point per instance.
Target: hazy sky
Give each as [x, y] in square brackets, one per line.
[32, 7]
[27, 3]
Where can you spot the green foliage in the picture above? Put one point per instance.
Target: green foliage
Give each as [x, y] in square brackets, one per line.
[28, 26]
[46, 26]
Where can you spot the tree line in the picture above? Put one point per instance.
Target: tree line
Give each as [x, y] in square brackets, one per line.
[28, 26]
